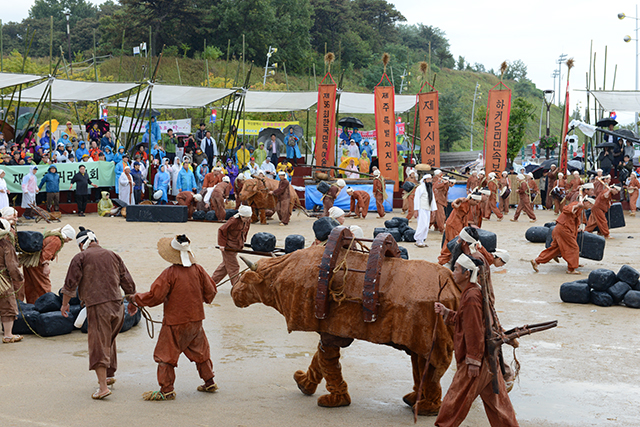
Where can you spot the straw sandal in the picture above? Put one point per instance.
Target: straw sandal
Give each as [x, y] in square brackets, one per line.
[208, 388]
[158, 395]
[111, 381]
[98, 396]
[9, 340]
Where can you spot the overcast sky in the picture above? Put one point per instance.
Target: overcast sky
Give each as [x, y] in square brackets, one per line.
[535, 32]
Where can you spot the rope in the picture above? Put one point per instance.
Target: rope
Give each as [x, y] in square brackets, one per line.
[27, 323]
[337, 294]
[146, 315]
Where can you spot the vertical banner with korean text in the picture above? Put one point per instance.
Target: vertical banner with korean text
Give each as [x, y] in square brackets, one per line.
[429, 128]
[386, 132]
[325, 124]
[496, 130]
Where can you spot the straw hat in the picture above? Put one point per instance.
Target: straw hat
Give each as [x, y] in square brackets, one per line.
[167, 250]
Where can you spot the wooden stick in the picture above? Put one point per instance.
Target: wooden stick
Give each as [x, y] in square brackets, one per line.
[342, 169]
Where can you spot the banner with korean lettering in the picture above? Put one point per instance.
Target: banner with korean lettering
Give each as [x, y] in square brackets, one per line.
[325, 125]
[101, 173]
[386, 132]
[429, 128]
[496, 129]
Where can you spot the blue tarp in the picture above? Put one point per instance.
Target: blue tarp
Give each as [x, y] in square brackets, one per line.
[313, 197]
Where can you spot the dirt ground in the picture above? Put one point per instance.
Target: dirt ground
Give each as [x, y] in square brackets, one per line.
[583, 373]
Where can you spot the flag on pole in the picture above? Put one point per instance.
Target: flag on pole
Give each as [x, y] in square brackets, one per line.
[214, 115]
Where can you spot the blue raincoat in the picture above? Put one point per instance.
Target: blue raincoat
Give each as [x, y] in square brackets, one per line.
[108, 155]
[161, 182]
[82, 150]
[201, 171]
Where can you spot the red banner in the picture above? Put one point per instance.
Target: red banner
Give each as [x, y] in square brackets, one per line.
[326, 125]
[386, 135]
[496, 130]
[429, 128]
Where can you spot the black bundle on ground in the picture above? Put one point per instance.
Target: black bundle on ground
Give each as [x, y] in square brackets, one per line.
[293, 242]
[618, 291]
[73, 301]
[48, 302]
[54, 323]
[397, 235]
[575, 292]
[391, 223]
[210, 216]
[601, 279]
[550, 224]
[404, 253]
[488, 239]
[632, 299]
[629, 275]
[263, 242]
[537, 234]
[199, 215]
[25, 319]
[130, 321]
[230, 213]
[603, 299]
[322, 227]
[409, 235]
[379, 230]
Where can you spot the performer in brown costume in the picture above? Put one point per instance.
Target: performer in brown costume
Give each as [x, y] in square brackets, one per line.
[552, 181]
[379, 192]
[12, 280]
[458, 219]
[473, 376]
[534, 190]
[632, 189]
[331, 195]
[187, 198]
[493, 198]
[219, 194]
[504, 182]
[573, 187]
[359, 202]
[564, 237]
[36, 271]
[440, 192]
[599, 211]
[559, 204]
[98, 274]
[231, 238]
[472, 182]
[181, 288]
[237, 189]
[409, 197]
[524, 203]
[283, 205]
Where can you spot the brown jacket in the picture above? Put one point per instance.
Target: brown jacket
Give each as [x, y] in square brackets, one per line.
[233, 234]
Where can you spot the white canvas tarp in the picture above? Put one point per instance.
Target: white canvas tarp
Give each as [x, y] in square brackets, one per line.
[11, 79]
[167, 97]
[618, 100]
[75, 91]
[275, 102]
[364, 103]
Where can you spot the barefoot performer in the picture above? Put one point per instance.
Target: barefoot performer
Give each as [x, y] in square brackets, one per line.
[182, 288]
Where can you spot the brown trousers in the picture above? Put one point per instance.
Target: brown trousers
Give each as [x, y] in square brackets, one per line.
[464, 390]
[36, 283]
[491, 207]
[504, 205]
[327, 203]
[8, 307]
[217, 205]
[410, 201]
[283, 208]
[379, 205]
[598, 218]
[564, 244]
[525, 205]
[188, 338]
[53, 201]
[363, 208]
[438, 219]
[104, 321]
[228, 266]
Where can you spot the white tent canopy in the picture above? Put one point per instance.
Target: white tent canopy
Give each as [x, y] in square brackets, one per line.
[11, 79]
[275, 102]
[364, 103]
[74, 91]
[167, 97]
[618, 100]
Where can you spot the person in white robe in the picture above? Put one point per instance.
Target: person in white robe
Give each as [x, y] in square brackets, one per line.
[424, 203]
[4, 191]
[126, 186]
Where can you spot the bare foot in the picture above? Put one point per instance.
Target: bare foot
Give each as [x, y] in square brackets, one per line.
[534, 264]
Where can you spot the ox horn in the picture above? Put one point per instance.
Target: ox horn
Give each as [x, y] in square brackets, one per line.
[250, 264]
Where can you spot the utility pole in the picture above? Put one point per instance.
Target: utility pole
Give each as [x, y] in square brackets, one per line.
[67, 13]
[473, 109]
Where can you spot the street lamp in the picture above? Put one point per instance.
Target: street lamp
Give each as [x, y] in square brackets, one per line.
[476, 96]
[560, 61]
[272, 50]
[627, 39]
[67, 13]
[548, 100]
[404, 83]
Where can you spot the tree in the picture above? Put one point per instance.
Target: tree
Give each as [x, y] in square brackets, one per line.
[517, 70]
[521, 114]
[375, 22]
[453, 126]
[291, 33]
[460, 64]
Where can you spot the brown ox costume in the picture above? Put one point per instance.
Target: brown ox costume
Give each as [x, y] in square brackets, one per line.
[289, 284]
[181, 288]
[11, 279]
[188, 199]
[379, 192]
[524, 202]
[232, 236]
[36, 279]
[283, 206]
[330, 196]
[98, 275]
[360, 202]
[473, 376]
[564, 238]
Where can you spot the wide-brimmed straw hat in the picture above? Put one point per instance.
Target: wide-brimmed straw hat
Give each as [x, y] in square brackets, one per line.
[166, 249]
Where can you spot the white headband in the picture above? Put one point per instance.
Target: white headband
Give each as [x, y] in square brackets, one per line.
[466, 262]
[589, 199]
[474, 196]
[68, 231]
[184, 249]
[502, 254]
[86, 240]
[473, 243]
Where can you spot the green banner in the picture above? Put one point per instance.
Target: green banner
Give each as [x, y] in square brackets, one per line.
[101, 173]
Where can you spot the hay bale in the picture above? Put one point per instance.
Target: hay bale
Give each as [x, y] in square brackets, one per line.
[631, 299]
[603, 299]
[322, 227]
[537, 234]
[628, 274]
[263, 242]
[54, 323]
[48, 302]
[293, 242]
[618, 291]
[601, 279]
[575, 292]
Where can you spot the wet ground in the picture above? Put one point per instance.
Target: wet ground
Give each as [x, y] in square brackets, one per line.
[583, 373]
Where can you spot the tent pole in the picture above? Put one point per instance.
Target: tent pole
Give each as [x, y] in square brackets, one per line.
[337, 113]
[95, 65]
[226, 64]
[306, 139]
[121, 53]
